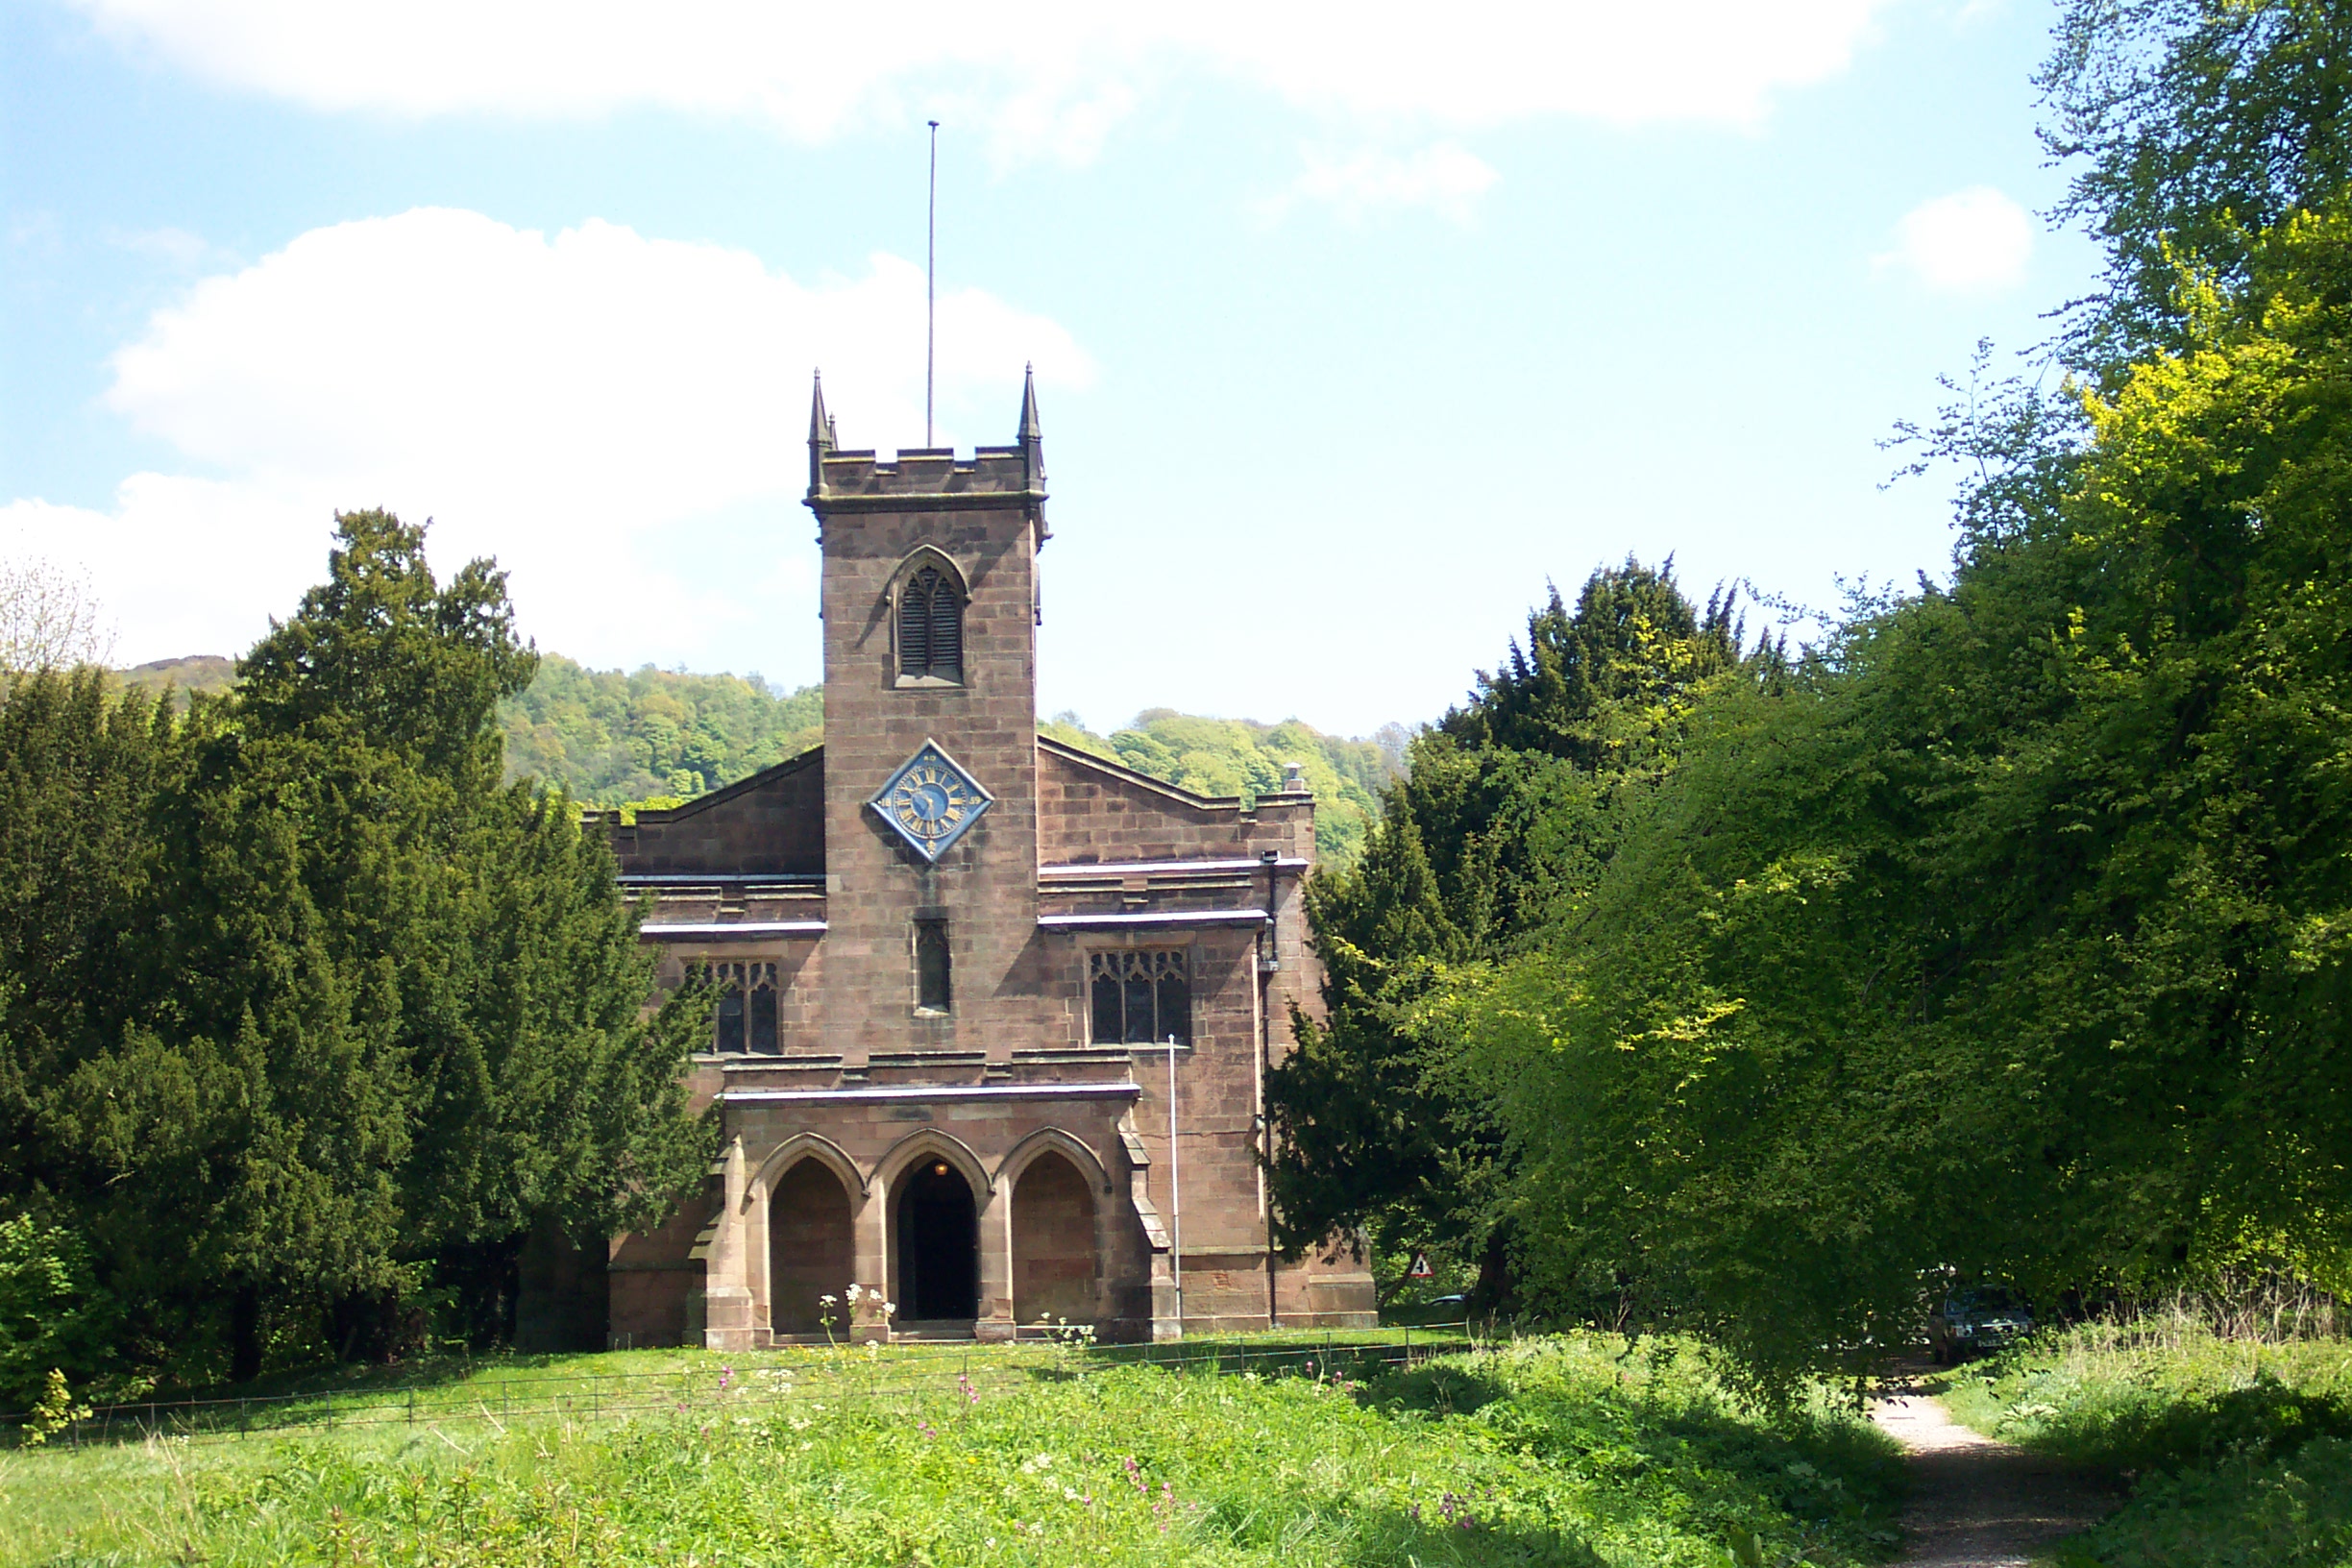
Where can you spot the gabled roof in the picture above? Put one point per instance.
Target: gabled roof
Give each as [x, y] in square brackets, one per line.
[814, 755]
[1128, 775]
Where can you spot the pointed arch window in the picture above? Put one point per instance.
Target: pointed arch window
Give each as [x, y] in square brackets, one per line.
[746, 1016]
[933, 992]
[1140, 997]
[931, 628]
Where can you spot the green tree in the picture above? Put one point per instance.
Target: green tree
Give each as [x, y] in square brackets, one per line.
[54, 1317]
[82, 778]
[516, 976]
[2009, 937]
[2194, 125]
[1359, 1139]
[306, 1008]
[1512, 804]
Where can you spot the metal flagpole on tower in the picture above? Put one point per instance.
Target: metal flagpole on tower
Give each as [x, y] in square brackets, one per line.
[931, 288]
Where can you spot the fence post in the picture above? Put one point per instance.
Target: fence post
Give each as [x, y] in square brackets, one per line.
[330, 1410]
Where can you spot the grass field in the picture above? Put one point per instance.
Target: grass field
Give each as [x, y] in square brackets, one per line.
[1563, 1451]
[2240, 1451]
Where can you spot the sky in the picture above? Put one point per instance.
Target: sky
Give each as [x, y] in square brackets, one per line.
[1354, 326]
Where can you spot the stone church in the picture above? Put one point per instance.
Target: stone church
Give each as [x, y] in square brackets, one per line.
[995, 1014]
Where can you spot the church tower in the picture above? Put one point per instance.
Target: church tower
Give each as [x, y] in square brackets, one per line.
[930, 605]
[994, 1012]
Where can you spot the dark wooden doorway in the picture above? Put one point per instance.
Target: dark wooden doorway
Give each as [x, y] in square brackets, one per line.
[939, 1246]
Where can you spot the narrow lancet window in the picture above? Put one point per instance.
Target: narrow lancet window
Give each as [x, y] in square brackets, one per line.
[930, 627]
[931, 968]
[762, 1017]
[731, 1019]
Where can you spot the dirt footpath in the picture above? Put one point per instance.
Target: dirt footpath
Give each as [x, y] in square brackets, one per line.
[1977, 1503]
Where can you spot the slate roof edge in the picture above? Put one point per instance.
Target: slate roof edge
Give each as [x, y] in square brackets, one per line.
[1129, 775]
[1168, 916]
[732, 929]
[742, 785]
[1110, 1089]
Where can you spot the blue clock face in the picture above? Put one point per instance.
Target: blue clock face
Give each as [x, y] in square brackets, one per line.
[930, 800]
[933, 802]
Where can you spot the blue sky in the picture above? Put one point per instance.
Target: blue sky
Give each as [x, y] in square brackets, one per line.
[1353, 325]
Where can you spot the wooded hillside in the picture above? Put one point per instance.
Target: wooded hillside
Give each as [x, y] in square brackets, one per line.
[209, 674]
[1240, 756]
[659, 737]
[613, 738]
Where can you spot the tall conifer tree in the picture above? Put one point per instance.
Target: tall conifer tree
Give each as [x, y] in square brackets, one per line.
[383, 1011]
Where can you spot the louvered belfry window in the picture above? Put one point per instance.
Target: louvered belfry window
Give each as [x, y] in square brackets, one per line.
[931, 628]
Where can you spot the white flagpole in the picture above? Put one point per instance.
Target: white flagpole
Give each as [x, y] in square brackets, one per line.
[1175, 1193]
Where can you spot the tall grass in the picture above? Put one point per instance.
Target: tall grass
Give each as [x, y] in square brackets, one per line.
[2239, 1446]
[1557, 1452]
[2246, 1304]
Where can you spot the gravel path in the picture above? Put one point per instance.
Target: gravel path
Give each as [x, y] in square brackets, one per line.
[1979, 1503]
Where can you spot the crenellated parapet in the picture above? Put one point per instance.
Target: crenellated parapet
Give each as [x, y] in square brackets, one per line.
[927, 478]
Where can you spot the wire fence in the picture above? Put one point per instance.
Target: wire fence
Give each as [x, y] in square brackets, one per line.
[739, 1385]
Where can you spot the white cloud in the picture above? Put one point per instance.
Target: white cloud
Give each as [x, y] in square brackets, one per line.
[1972, 241]
[1047, 76]
[1442, 178]
[617, 419]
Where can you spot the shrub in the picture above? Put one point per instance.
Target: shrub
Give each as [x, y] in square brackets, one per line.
[53, 1315]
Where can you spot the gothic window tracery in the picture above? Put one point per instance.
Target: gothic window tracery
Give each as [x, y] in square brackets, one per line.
[931, 628]
[1140, 996]
[746, 1018]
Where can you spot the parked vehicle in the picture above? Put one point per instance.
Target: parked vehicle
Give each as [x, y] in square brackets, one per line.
[1975, 1319]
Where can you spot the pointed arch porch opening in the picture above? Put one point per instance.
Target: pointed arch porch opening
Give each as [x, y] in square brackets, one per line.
[937, 1267]
[811, 1248]
[1056, 1257]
